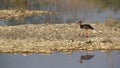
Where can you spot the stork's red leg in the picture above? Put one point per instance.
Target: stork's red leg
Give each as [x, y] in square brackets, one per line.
[86, 33]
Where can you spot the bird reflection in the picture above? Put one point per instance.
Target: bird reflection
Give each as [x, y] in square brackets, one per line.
[85, 57]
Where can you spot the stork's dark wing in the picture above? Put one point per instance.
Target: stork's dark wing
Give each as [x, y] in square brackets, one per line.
[87, 26]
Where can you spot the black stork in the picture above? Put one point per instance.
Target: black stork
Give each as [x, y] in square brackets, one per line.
[86, 27]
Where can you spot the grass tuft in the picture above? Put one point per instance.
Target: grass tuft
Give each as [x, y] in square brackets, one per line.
[112, 23]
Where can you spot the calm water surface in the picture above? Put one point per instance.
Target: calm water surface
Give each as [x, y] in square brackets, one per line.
[58, 60]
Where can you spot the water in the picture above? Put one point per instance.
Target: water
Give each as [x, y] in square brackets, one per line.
[58, 60]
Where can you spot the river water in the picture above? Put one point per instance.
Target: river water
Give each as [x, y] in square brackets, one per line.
[109, 59]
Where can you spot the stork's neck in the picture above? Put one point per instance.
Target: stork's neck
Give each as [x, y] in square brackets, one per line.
[80, 25]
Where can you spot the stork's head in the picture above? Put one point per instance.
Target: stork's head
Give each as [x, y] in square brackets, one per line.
[79, 22]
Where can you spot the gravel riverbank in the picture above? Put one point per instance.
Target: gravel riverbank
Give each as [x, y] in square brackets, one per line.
[50, 38]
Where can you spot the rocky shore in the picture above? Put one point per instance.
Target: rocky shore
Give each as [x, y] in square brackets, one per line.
[50, 38]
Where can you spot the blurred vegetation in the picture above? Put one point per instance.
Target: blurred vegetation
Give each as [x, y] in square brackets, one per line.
[112, 23]
[70, 7]
[31, 4]
[111, 4]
